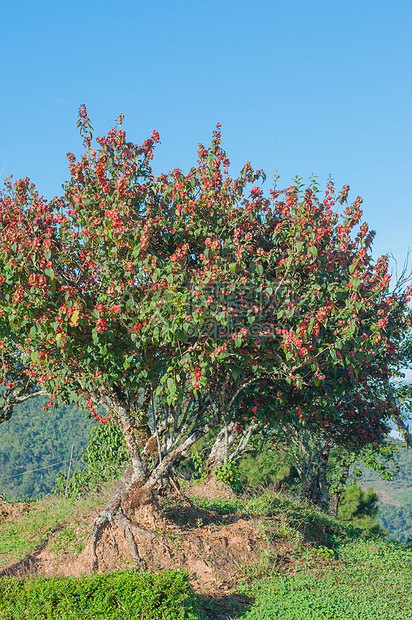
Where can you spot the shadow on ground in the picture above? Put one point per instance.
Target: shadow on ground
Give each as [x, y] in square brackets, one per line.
[225, 607]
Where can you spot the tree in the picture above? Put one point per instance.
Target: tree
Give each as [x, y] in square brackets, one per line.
[167, 300]
[399, 393]
[360, 507]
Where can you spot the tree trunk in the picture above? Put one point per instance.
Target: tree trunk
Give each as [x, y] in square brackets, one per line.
[402, 428]
[334, 498]
[396, 416]
[226, 438]
[223, 441]
[138, 485]
[323, 485]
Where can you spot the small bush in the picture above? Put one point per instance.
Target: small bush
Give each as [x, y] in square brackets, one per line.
[105, 457]
[267, 468]
[109, 596]
[228, 473]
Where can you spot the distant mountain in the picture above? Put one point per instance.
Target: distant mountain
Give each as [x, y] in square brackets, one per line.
[395, 507]
[35, 445]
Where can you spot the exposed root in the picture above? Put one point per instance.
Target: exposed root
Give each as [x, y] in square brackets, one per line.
[113, 515]
[118, 519]
[135, 553]
[140, 531]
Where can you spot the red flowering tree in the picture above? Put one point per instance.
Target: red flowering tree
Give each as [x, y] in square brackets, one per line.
[163, 300]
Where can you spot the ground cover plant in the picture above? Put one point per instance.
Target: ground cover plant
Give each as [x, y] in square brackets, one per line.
[27, 527]
[372, 581]
[111, 596]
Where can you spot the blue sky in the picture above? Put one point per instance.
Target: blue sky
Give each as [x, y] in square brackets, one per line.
[302, 87]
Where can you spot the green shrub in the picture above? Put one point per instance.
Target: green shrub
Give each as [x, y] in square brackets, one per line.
[269, 467]
[105, 457]
[110, 596]
[228, 473]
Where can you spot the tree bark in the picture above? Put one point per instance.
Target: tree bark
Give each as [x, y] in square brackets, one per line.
[226, 438]
[334, 498]
[403, 429]
[323, 485]
[223, 441]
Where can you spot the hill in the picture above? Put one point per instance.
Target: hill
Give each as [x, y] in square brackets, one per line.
[36, 444]
[39, 443]
[395, 507]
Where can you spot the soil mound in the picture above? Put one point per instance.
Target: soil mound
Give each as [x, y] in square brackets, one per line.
[12, 511]
[216, 550]
[212, 489]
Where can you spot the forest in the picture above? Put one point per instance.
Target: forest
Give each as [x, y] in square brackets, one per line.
[40, 442]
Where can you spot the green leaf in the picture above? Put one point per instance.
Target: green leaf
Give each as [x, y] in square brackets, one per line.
[171, 386]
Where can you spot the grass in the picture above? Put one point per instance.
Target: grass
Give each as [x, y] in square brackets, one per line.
[64, 519]
[345, 573]
[291, 516]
